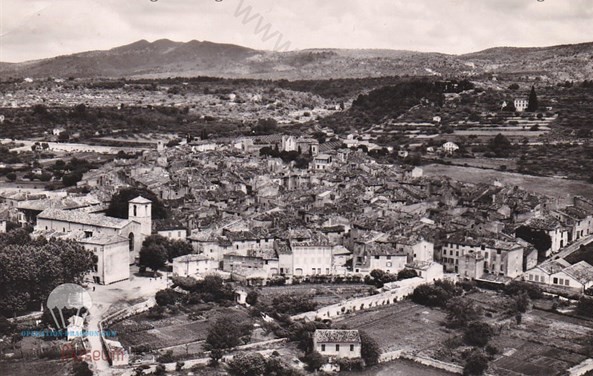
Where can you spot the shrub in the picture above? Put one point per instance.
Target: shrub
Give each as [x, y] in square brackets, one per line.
[478, 334]
[247, 364]
[313, 360]
[475, 364]
[461, 311]
[370, 350]
[81, 369]
[585, 306]
[166, 357]
[518, 287]
[436, 295]
[350, 364]
[166, 297]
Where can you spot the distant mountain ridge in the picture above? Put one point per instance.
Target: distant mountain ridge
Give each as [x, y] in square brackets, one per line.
[166, 58]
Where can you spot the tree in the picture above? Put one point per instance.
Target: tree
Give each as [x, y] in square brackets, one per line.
[406, 274]
[118, 206]
[461, 311]
[166, 297]
[227, 333]
[478, 334]
[6, 327]
[173, 248]
[475, 364]
[31, 269]
[540, 240]
[369, 350]
[153, 256]
[533, 105]
[500, 146]
[252, 297]
[313, 360]
[513, 87]
[585, 306]
[247, 364]
[11, 176]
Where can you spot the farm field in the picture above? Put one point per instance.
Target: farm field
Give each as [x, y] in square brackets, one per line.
[556, 187]
[485, 163]
[399, 368]
[544, 344]
[36, 367]
[172, 330]
[399, 326]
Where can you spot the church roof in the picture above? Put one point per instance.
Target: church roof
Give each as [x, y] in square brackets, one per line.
[140, 200]
[75, 216]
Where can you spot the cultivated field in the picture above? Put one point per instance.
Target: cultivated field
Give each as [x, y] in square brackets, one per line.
[172, 330]
[404, 325]
[556, 187]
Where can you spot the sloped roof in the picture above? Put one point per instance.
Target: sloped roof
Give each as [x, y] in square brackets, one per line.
[140, 200]
[104, 239]
[581, 271]
[74, 216]
[336, 336]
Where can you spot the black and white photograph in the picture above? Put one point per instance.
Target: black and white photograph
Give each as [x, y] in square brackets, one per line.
[296, 188]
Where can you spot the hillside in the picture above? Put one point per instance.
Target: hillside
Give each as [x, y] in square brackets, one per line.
[563, 62]
[165, 58]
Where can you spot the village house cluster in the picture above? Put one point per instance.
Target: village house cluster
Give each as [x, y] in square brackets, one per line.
[258, 219]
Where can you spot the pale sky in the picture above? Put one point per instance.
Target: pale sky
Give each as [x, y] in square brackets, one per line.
[33, 29]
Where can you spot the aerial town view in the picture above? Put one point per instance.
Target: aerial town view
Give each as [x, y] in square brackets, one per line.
[259, 187]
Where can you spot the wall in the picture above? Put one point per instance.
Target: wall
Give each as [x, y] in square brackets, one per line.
[403, 289]
[343, 352]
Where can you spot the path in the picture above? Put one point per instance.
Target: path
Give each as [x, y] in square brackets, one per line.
[573, 247]
[112, 298]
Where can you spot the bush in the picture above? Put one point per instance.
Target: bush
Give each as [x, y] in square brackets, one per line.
[478, 334]
[81, 369]
[6, 327]
[585, 306]
[475, 364]
[350, 364]
[247, 364]
[461, 311]
[166, 297]
[518, 287]
[314, 361]
[252, 297]
[370, 350]
[166, 357]
[436, 295]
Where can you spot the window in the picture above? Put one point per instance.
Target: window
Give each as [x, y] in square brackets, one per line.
[457, 253]
[376, 257]
[337, 347]
[388, 257]
[351, 347]
[537, 278]
[555, 280]
[531, 277]
[322, 347]
[483, 247]
[388, 264]
[566, 282]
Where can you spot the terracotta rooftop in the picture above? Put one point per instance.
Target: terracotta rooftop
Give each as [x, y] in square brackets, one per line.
[74, 216]
[336, 336]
